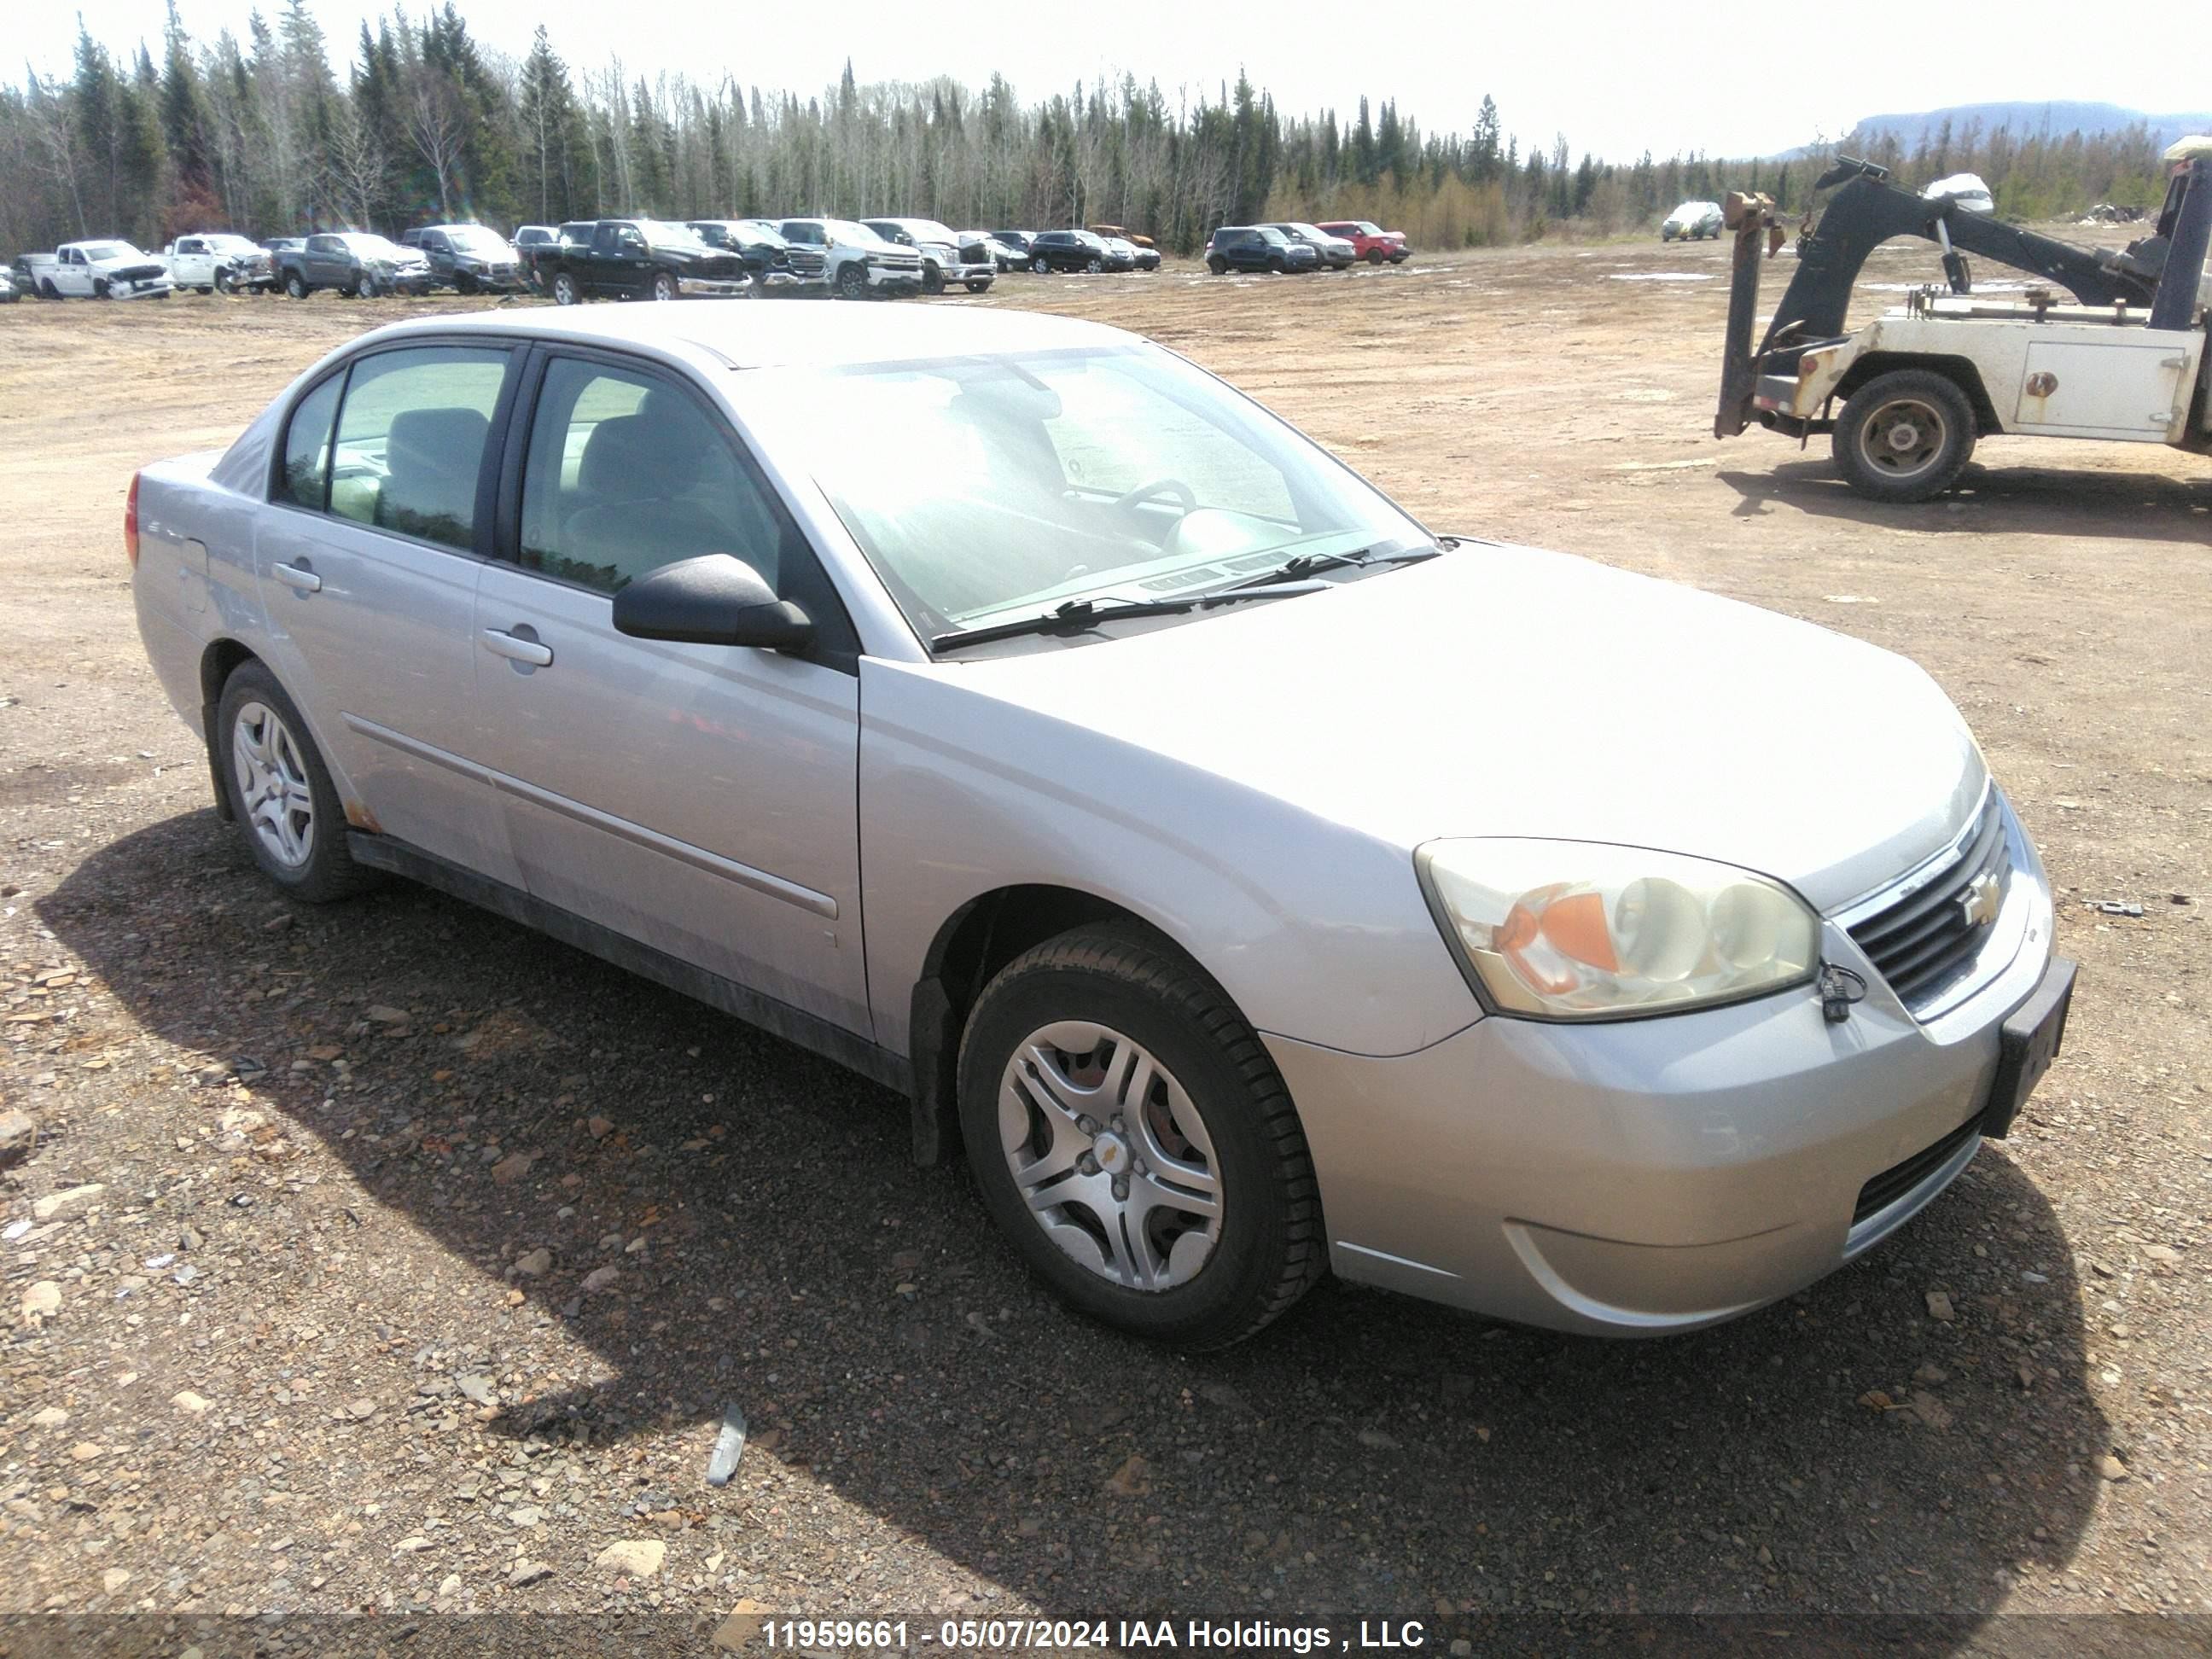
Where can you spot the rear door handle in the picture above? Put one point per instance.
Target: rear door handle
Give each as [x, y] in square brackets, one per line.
[500, 642]
[298, 577]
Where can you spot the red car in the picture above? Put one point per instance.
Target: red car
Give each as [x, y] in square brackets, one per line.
[1369, 242]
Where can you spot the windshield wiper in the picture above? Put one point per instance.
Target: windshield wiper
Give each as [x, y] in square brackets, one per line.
[1305, 564]
[1076, 615]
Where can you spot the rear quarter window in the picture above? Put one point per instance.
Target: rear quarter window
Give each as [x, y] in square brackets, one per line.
[304, 479]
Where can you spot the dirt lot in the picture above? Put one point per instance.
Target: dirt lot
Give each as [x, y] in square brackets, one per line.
[319, 1339]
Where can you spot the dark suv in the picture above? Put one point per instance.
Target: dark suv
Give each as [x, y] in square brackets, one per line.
[1067, 250]
[1257, 247]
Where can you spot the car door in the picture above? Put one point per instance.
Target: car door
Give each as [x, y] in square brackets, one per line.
[368, 557]
[700, 800]
[189, 267]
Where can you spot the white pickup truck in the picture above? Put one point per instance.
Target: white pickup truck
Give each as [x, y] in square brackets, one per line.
[220, 263]
[100, 269]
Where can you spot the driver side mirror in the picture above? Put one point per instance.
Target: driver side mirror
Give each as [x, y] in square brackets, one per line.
[715, 599]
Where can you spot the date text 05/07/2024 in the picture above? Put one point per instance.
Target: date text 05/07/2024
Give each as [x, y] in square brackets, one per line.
[992, 1635]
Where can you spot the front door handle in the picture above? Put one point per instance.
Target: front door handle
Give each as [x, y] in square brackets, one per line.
[500, 642]
[298, 576]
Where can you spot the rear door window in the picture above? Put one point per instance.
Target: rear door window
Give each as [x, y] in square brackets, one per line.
[411, 437]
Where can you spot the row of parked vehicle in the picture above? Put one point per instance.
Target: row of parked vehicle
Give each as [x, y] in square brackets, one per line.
[1291, 247]
[666, 259]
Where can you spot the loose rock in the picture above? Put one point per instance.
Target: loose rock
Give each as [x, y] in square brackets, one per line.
[187, 1400]
[41, 1302]
[527, 1572]
[19, 1133]
[729, 1447]
[1939, 1307]
[2111, 1468]
[534, 1264]
[1131, 1479]
[634, 1558]
[69, 1201]
[600, 1277]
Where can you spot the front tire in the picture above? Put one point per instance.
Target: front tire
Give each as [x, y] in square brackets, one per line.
[100, 289]
[664, 287]
[852, 282]
[978, 288]
[1094, 266]
[280, 792]
[369, 289]
[565, 292]
[933, 279]
[1905, 436]
[1133, 1139]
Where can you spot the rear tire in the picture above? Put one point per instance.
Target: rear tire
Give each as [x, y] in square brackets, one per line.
[565, 292]
[1041, 266]
[1210, 1116]
[281, 793]
[294, 286]
[1218, 265]
[1905, 436]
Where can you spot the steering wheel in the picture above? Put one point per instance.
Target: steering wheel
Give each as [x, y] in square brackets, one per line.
[1185, 496]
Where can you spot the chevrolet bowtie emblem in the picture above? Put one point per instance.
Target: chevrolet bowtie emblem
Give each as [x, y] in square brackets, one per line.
[1983, 899]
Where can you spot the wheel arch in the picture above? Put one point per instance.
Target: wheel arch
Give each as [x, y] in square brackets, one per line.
[218, 662]
[1963, 372]
[971, 945]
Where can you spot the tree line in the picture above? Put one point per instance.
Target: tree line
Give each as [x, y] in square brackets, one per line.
[429, 124]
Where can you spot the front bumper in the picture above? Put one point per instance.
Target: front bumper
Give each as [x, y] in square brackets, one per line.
[711, 287]
[143, 288]
[904, 278]
[1657, 1175]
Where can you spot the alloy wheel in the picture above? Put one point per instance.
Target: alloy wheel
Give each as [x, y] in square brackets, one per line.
[272, 784]
[1110, 1155]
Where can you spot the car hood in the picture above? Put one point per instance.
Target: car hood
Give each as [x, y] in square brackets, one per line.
[1506, 691]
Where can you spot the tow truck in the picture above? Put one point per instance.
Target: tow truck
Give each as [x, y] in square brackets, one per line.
[1905, 398]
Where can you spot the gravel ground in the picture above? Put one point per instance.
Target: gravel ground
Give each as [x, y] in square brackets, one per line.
[387, 1258]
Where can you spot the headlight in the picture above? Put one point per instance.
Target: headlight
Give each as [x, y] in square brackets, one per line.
[1571, 930]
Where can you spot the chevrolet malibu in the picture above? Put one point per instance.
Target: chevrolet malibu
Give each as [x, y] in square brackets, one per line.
[920, 688]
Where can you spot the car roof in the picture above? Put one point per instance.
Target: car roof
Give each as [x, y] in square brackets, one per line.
[762, 337]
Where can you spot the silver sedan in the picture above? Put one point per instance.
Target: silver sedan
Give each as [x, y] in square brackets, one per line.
[1255, 883]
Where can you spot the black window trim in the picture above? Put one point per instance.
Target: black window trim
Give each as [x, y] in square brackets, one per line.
[487, 473]
[836, 643]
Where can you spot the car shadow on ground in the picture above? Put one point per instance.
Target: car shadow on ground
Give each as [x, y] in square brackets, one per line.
[1997, 500]
[1842, 1450]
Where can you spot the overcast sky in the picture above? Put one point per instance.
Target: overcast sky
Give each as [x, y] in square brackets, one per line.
[1731, 77]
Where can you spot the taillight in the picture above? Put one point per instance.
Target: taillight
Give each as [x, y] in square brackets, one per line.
[130, 522]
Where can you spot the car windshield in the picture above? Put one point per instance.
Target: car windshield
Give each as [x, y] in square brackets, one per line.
[1695, 209]
[1368, 227]
[926, 230]
[1269, 233]
[230, 245]
[474, 238]
[661, 234]
[987, 488]
[844, 230]
[375, 248]
[1312, 233]
[97, 251]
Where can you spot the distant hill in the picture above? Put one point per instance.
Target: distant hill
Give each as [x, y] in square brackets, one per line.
[2057, 118]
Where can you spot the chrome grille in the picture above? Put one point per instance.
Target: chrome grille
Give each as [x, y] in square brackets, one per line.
[1928, 939]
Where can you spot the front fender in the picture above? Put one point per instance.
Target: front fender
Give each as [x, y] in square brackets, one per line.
[1314, 930]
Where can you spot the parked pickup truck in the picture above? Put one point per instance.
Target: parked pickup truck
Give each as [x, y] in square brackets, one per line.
[102, 270]
[220, 263]
[942, 261]
[354, 262]
[774, 264]
[857, 261]
[467, 258]
[636, 259]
